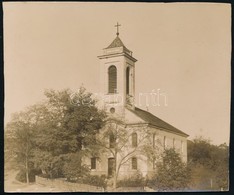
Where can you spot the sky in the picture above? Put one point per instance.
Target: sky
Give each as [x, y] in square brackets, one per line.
[183, 49]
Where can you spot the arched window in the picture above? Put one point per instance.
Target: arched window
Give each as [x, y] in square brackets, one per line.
[134, 140]
[112, 79]
[127, 80]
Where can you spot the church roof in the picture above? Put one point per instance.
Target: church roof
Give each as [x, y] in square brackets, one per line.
[116, 43]
[155, 121]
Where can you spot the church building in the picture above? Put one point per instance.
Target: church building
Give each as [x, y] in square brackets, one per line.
[117, 80]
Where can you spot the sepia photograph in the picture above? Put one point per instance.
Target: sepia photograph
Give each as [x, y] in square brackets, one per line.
[116, 96]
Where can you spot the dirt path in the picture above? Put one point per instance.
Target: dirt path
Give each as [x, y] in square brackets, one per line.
[11, 185]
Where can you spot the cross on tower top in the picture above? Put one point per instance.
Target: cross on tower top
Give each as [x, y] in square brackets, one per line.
[117, 26]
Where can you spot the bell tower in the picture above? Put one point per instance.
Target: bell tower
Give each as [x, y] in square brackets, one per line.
[117, 76]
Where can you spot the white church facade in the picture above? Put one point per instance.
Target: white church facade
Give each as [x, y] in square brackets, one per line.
[117, 76]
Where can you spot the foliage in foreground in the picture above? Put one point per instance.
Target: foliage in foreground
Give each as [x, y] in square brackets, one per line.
[50, 135]
[95, 180]
[209, 164]
[21, 175]
[172, 174]
[136, 180]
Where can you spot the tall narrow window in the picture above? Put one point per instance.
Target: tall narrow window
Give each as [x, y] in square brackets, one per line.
[93, 163]
[164, 142]
[127, 80]
[182, 147]
[154, 163]
[80, 143]
[112, 140]
[112, 79]
[134, 163]
[154, 140]
[134, 140]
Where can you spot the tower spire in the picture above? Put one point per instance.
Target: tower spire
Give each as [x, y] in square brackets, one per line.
[117, 26]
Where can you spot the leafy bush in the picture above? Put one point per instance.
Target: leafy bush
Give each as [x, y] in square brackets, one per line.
[21, 176]
[172, 174]
[44, 175]
[73, 169]
[95, 180]
[136, 180]
[208, 162]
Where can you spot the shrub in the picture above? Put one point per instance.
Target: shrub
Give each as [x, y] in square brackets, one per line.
[136, 180]
[21, 176]
[44, 175]
[172, 174]
[73, 169]
[95, 180]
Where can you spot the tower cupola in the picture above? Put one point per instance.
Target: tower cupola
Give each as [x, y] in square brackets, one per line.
[117, 76]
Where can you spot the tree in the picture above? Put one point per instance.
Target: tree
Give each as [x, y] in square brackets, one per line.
[115, 138]
[222, 176]
[71, 120]
[199, 151]
[20, 137]
[171, 174]
[209, 164]
[49, 134]
[72, 169]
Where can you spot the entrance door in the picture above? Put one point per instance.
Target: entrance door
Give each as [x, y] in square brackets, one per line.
[111, 162]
